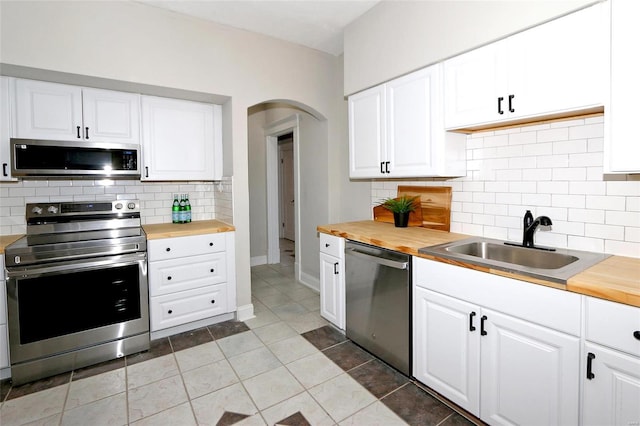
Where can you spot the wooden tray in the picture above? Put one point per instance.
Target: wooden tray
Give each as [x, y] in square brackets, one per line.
[382, 214]
[435, 202]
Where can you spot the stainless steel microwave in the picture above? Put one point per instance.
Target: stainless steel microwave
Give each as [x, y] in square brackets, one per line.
[31, 157]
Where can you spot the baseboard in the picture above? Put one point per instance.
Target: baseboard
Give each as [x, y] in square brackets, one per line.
[310, 281]
[245, 312]
[258, 260]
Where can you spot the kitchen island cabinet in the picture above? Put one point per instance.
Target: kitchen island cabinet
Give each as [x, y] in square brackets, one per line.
[502, 349]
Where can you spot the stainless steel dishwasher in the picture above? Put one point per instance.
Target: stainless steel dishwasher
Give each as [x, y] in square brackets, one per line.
[378, 302]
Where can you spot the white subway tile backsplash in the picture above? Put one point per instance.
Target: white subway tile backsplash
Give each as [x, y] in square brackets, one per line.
[622, 218]
[522, 187]
[570, 173]
[606, 232]
[594, 173]
[521, 138]
[508, 175]
[522, 163]
[536, 200]
[585, 243]
[632, 234]
[570, 147]
[552, 161]
[587, 188]
[586, 131]
[629, 188]
[508, 198]
[537, 174]
[553, 187]
[586, 159]
[586, 215]
[538, 149]
[551, 135]
[633, 204]
[569, 228]
[566, 200]
[496, 140]
[622, 248]
[605, 202]
[595, 145]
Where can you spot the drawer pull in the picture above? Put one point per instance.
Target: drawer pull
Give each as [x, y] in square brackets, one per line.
[590, 358]
[211, 270]
[210, 244]
[636, 334]
[168, 248]
[213, 301]
[471, 326]
[327, 244]
[169, 278]
[170, 312]
[482, 330]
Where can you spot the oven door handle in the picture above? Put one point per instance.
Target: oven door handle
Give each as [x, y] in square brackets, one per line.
[78, 265]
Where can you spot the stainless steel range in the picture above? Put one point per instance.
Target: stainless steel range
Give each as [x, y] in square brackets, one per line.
[77, 287]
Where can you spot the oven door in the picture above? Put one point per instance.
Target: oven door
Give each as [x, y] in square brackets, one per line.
[67, 306]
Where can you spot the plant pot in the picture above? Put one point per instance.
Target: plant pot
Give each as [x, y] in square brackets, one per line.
[401, 219]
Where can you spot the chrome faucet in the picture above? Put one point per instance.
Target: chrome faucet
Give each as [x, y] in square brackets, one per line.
[530, 227]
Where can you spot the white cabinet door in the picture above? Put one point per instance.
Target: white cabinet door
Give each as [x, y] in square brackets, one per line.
[110, 116]
[179, 308]
[5, 130]
[47, 111]
[447, 347]
[622, 142]
[181, 140]
[332, 291]
[367, 133]
[530, 374]
[612, 391]
[473, 82]
[410, 127]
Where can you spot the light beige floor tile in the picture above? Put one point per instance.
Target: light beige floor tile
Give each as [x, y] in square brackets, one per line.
[155, 397]
[341, 396]
[275, 300]
[239, 343]
[254, 362]
[53, 420]
[272, 387]
[307, 322]
[197, 356]
[108, 411]
[274, 332]
[312, 303]
[96, 387]
[376, 414]
[209, 378]
[278, 279]
[314, 369]
[261, 319]
[292, 348]
[258, 306]
[302, 292]
[302, 403]
[209, 408]
[34, 406]
[289, 311]
[150, 371]
[181, 415]
[255, 420]
[266, 291]
[257, 282]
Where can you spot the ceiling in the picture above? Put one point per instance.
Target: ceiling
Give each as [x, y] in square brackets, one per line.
[318, 24]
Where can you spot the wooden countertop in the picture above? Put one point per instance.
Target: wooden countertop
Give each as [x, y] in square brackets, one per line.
[170, 230]
[5, 240]
[617, 278]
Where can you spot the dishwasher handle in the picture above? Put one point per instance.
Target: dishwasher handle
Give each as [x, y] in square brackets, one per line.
[379, 260]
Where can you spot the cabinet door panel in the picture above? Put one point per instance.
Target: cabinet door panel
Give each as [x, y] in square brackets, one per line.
[111, 116]
[367, 138]
[446, 351]
[47, 110]
[612, 396]
[169, 276]
[179, 308]
[171, 248]
[332, 303]
[530, 374]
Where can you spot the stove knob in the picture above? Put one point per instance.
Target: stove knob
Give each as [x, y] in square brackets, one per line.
[16, 260]
[36, 210]
[118, 206]
[52, 209]
[131, 206]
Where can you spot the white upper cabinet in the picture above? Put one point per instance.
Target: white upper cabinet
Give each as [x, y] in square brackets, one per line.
[5, 129]
[550, 70]
[181, 140]
[622, 143]
[54, 111]
[396, 130]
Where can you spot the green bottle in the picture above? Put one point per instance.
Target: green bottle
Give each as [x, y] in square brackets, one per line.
[183, 210]
[187, 206]
[175, 209]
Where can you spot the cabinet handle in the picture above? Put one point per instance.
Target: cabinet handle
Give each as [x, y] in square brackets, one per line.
[500, 111]
[387, 166]
[86, 133]
[590, 358]
[327, 244]
[636, 334]
[213, 301]
[168, 248]
[170, 312]
[335, 268]
[78, 130]
[511, 109]
[482, 330]
[4, 169]
[146, 172]
[471, 326]
[210, 244]
[382, 167]
[169, 278]
[211, 270]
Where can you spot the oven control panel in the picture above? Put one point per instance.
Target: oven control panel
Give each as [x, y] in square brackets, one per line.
[81, 208]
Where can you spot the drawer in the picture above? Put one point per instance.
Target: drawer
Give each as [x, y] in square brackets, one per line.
[170, 276]
[171, 248]
[332, 245]
[613, 324]
[175, 309]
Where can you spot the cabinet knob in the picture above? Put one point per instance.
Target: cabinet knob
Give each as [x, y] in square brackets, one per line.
[211, 270]
[210, 244]
[327, 244]
[169, 278]
[168, 249]
[170, 311]
[213, 301]
[636, 334]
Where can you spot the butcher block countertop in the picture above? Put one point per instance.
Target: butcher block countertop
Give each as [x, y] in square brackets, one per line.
[617, 278]
[5, 240]
[170, 230]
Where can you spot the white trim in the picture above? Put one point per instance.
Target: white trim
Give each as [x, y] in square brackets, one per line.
[258, 260]
[165, 332]
[309, 281]
[245, 312]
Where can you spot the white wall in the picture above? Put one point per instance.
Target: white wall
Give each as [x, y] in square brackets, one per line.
[551, 169]
[132, 42]
[396, 37]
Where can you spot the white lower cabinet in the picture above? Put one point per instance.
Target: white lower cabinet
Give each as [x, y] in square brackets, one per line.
[191, 278]
[611, 360]
[504, 350]
[332, 290]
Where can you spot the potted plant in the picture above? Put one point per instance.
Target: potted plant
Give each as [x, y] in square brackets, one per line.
[400, 207]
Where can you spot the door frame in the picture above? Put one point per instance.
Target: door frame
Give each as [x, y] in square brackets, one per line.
[289, 124]
[283, 147]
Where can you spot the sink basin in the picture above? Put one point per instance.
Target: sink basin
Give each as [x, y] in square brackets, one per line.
[517, 255]
[556, 266]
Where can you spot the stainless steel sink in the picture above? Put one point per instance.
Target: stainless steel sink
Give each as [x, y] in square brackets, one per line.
[557, 266]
